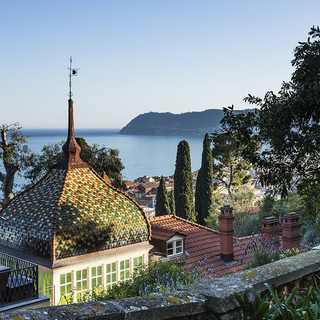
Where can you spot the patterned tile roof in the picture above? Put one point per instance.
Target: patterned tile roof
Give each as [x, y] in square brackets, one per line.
[71, 212]
[202, 244]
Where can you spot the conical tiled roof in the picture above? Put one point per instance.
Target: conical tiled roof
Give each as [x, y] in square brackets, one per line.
[71, 211]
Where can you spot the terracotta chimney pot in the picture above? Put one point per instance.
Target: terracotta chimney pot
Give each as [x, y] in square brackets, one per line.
[291, 233]
[270, 229]
[226, 233]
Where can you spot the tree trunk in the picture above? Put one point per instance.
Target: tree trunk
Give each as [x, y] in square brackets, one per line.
[8, 178]
[230, 183]
[8, 182]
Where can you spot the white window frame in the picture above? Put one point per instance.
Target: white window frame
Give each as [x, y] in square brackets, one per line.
[126, 271]
[111, 274]
[174, 241]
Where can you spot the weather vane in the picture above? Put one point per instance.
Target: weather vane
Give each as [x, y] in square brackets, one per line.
[73, 72]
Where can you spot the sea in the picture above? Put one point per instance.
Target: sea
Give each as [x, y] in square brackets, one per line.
[142, 155]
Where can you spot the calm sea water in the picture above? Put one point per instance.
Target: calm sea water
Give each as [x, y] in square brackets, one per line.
[141, 155]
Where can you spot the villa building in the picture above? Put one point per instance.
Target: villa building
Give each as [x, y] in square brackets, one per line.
[83, 233]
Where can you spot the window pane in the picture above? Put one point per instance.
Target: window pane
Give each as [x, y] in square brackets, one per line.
[78, 273]
[178, 243]
[99, 281]
[108, 278]
[84, 274]
[114, 267]
[69, 288]
[62, 278]
[69, 277]
[79, 286]
[170, 245]
[99, 271]
[121, 265]
[93, 272]
[108, 268]
[84, 285]
[178, 249]
[94, 282]
[114, 277]
[127, 264]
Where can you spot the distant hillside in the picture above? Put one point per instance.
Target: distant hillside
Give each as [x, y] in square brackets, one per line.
[169, 124]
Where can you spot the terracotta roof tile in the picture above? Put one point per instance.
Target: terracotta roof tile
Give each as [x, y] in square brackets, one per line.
[202, 244]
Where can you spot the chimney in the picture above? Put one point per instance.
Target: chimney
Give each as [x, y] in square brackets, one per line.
[291, 230]
[270, 229]
[226, 233]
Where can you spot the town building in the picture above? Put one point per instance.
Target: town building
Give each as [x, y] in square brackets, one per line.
[175, 238]
[83, 233]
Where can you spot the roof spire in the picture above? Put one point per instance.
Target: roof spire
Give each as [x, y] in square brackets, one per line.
[71, 148]
[73, 72]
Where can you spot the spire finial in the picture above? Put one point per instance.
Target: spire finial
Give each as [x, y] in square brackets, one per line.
[71, 148]
[72, 72]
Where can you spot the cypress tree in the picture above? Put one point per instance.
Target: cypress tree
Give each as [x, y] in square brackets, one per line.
[162, 201]
[171, 202]
[197, 203]
[204, 187]
[183, 183]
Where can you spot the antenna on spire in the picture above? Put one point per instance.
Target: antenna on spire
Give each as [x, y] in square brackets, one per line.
[73, 72]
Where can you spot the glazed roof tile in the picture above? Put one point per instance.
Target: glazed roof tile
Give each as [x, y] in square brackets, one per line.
[69, 213]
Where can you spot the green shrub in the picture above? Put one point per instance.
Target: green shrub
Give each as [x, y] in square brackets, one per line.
[159, 276]
[245, 223]
[289, 253]
[261, 257]
[301, 305]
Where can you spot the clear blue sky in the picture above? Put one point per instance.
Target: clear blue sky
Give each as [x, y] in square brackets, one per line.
[142, 55]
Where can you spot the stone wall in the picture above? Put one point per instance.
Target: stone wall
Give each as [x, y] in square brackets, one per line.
[189, 302]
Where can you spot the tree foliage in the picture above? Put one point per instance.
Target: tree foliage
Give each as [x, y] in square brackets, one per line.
[103, 160]
[229, 162]
[243, 200]
[171, 202]
[212, 220]
[13, 154]
[204, 186]
[100, 158]
[183, 183]
[162, 200]
[286, 124]
[276, 207]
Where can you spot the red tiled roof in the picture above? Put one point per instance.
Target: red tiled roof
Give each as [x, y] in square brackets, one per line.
[201, 243]
[129, 183]
[163, 233]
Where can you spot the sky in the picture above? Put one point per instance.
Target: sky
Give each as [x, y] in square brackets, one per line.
[136, 56]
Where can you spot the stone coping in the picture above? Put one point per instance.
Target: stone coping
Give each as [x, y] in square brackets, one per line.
[189, 302]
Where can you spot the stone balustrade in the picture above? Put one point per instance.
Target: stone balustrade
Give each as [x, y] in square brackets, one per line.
[189, 302]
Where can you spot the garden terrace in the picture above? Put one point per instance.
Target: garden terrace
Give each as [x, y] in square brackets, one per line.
[189, 302]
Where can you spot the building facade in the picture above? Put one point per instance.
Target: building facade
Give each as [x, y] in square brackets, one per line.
[83, 233]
